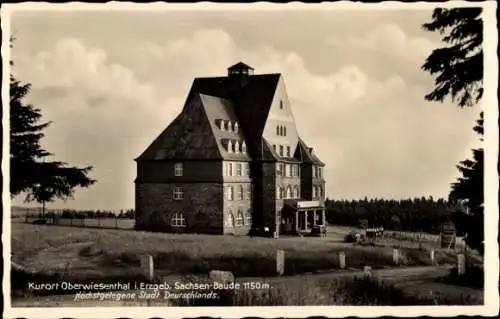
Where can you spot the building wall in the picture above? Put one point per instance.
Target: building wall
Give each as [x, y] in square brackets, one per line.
[269, 204]
[235, 205]
[202, 206]
[193, 171]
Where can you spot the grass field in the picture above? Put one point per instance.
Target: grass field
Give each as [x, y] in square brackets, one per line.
[84, 252]
[72, 253]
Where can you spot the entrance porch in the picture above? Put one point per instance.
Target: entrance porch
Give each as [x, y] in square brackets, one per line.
[301, 217]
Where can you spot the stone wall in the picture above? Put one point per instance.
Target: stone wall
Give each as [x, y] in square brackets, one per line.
[201, 206]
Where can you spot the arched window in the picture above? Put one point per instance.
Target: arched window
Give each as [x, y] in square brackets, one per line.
[223, 125]
[229, 126]
[296, 191]
[243, 147]
[178, 220]
[237, 147]
[284, 130]
[238, 222]
[278, 130]
[229, 146]
[288, 192]
[281, 105]
[229, 219]
[248, 218]
[236, 127]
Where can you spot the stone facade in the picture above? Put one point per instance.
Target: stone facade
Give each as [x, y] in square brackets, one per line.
[201, 207]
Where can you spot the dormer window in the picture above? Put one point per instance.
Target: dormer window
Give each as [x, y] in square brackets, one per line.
[236, 127]
[229, 146]
[222, 125]
[243, 147]
[237, 147]
[230, 126]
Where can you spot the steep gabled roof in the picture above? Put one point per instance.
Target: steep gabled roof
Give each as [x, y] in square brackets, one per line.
[188, 137]
[251, 103]
[305, 154]
[218, 109]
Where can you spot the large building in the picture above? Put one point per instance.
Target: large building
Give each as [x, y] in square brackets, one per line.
[232, 160]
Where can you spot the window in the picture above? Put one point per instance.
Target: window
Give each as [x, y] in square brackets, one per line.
[288, 151]
[230, 169]
[281, 130]
[247, 169]
[229, 126]
[238, 169]
[248, 218]
[222, 125]
[295, 170]
[281, 105]
[279, 169]
[320, 172]
[229, 146]
[229, 193]
[178, 169]
[320, 191]
[178, 220]
[288, 193]
[178, 193]
[243, 148]
[274, 147]
[284, 130]
[288, 172]
[278, 130]
[236, 127]
[229, 219]
[241, 192]
[282, 192]
[278, 192]
[237, 147]
[238, 222]
[314, 171]
[314, 192]
[281, 150]
[249, 192]
[296, 191]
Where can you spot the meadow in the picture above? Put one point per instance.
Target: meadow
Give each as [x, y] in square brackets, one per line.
[56, 253]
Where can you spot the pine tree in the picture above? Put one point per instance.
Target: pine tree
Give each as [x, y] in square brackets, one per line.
[31, 171]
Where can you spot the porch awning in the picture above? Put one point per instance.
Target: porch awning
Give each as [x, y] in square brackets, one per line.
[302, 203]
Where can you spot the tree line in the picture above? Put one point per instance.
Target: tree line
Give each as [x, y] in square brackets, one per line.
[412, 214]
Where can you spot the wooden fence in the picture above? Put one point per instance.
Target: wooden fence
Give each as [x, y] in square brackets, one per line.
[116, 223]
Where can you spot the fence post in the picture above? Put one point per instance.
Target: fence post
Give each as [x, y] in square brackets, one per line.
[280, 262]
[460, 264]
[432, 255]
[395, 256]
[147, 266]
[341, 260]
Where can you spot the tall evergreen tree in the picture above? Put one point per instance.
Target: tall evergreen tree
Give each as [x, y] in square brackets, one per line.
[458, 70]
[31, 171]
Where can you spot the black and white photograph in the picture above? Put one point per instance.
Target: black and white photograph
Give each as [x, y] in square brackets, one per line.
[250, 159]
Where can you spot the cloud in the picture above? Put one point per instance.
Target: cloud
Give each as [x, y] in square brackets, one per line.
[388, 39]
[378, 136]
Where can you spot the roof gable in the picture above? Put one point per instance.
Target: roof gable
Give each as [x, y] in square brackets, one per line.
[188, 137]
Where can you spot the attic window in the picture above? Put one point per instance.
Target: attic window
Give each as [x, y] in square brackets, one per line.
[284, 130]
[222, 125]
[243, 148]
[229, 146]
[236, 127]
[237, 147]
[277, 130]
[281, 105]
[229, 126]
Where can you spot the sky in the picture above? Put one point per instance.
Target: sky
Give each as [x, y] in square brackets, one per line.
[111, 81]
